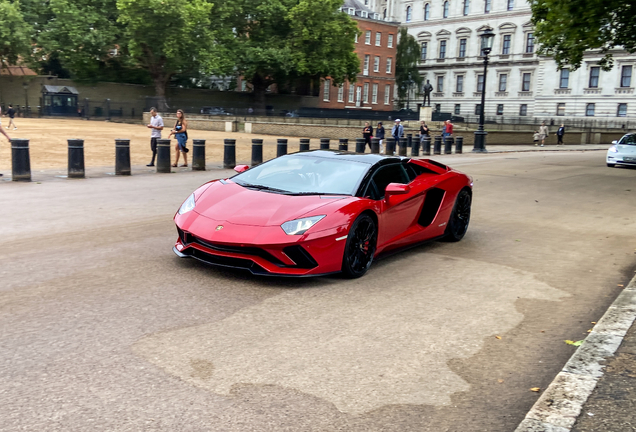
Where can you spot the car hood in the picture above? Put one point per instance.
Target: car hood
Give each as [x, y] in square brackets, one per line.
[626, 149]
[227, 201]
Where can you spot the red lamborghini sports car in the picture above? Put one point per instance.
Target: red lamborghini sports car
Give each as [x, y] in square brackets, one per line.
[319, 212]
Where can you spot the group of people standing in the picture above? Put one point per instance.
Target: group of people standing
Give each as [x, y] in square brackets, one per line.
[543, 133]
[397, 132]
[180, 132]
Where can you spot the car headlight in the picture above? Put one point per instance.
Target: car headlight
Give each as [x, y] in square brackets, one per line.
[187, 205]
[613, 149]
[300, 226]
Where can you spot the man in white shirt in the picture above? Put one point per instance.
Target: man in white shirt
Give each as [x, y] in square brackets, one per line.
[156, 124]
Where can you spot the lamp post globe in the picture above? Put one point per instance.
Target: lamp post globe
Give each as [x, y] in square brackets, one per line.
[487, 39]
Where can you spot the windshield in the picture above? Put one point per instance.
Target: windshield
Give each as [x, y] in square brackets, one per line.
[305, 175]
[628, 139]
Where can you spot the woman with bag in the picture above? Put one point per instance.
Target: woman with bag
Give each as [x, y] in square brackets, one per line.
[180, 132]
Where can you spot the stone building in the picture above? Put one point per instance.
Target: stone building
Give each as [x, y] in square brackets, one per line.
[520, 86]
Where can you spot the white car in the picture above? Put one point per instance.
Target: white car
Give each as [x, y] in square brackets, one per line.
[623, 151]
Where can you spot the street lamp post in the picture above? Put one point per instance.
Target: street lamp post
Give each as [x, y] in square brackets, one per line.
[487, 38]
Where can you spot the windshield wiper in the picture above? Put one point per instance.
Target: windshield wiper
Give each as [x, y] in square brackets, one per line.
[262, 187]
[319, 193]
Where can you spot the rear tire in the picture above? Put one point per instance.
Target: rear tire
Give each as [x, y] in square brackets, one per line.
[611, 165]
[459, 218]
[360, 247]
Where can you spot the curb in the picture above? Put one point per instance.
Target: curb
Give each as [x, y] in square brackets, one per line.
[560, 405]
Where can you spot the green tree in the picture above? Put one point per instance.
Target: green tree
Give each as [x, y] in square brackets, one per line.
[406, 58]
[565, 29]
[281, 41]
[15, 33]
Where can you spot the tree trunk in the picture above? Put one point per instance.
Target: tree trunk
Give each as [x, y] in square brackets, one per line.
[161, 82]
[259, 86]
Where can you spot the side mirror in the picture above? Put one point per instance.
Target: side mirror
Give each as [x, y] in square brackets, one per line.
[396, 189]
[241, 168]
[614, 142]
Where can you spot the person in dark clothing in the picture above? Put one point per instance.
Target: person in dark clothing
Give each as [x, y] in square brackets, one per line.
[424, 131]
[11, 114]
[379, 134]
[367, 133]
[560, 132]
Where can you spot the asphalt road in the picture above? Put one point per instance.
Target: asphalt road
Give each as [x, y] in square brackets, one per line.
[102, 328]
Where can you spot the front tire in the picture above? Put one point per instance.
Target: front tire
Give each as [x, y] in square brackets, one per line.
[460, 217]
[611, 165]
[360, 247]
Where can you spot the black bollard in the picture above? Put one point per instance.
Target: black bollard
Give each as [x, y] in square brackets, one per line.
[257, 151]
[360, 144]
[281, 147]
[459, 145]
[403, 143]
[76, 158]
[415, 147]
[375, 145]
[437, 146]
[409, 138]
[343, 144]
[390, 146]
[198, 155]
[163, 155]
[20, 160]
[324, 143]
[304, 144]
[229, 153]
[426, 145]
[122, 156]
[448, 145]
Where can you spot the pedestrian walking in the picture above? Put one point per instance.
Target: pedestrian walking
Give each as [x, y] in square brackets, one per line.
[543, 133]
[424, 132]
[535, 138]
[156, 124]
[367, 133]
[180, 132]
[11, 114]
[560, 133]
[379, 134]
[397, 132]
[448, 129]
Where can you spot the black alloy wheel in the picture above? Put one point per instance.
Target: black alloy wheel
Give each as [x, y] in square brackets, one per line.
[459, 219]
[360, 247]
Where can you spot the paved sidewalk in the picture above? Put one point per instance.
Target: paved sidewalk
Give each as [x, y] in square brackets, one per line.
[530, 148]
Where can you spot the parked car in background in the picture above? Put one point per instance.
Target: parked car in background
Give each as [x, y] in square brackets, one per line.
[214, 110]
[623, 151]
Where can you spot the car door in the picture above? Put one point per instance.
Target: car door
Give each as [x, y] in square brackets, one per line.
[399, 213]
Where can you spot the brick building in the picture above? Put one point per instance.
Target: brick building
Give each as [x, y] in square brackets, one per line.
[376, 47]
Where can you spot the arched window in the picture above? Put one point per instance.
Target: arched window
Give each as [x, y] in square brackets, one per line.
[409, 13]
[446, 6]
[427, 11]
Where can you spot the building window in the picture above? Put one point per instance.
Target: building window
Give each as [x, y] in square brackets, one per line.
[459, 84]
[365, 70]
[364, 14]
[409, 13]
[374, 94]
[446, 5]
[594, 74]
[511, 4]
[352, 89]
[442, 49]
[480, 83]
[387, 94]
[376, 64]
[378, 39]
[503, 81]
[341, 93]
[390, 41]
[525, 81]
[478, 109]
[384, 14]
[440, 84]
[367, 37]
[499, 109]
[366, 2]
[389, 65]
[365, 93]
[565, 78]
[325, 94]
[427, 11]
[462, 48]
[560, 109]
[487, 4]
[351, 11]
[589, 109]
[626, 76]
[523, 110]
[423, 51]
[529, 43]
[505, 46]
[356, 39]
[466, 7]
[457, 109]
[622, 110]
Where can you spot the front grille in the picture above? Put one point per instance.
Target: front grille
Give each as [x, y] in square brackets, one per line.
[245, 250]
[226, 261]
